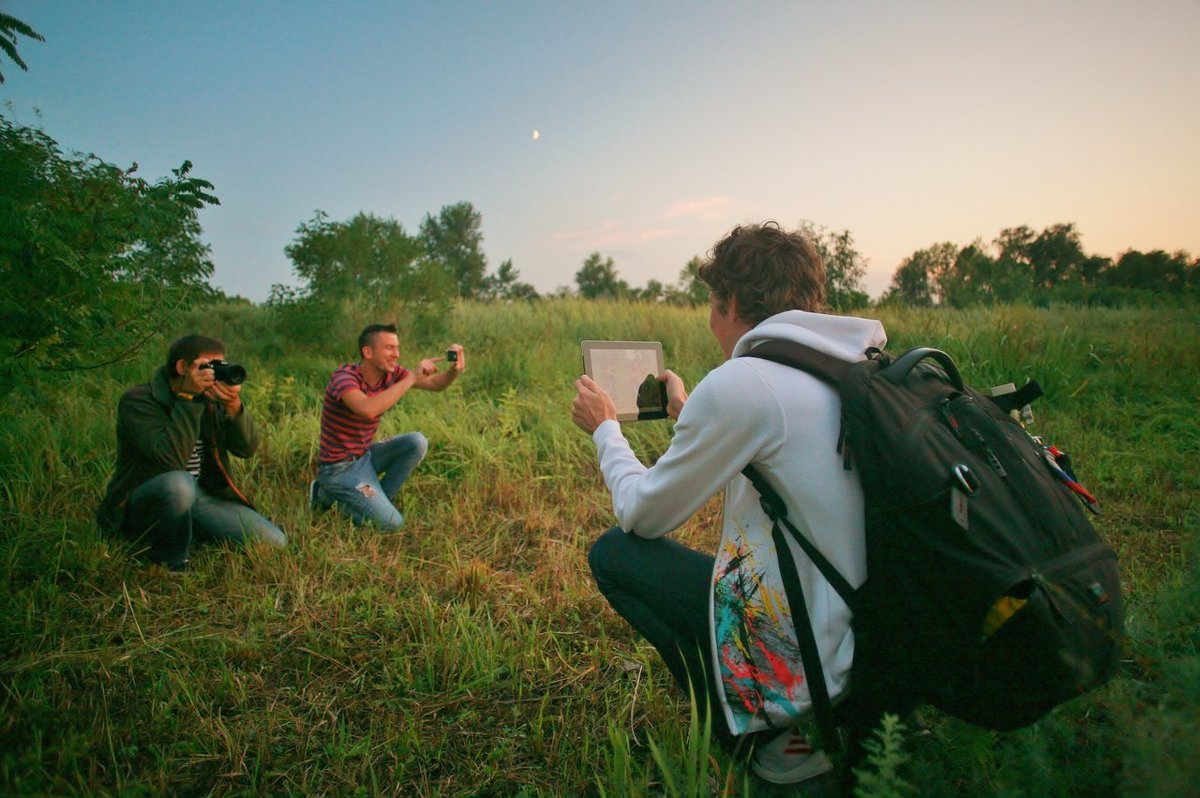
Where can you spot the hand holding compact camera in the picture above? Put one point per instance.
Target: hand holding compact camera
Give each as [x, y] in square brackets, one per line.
[456, 357]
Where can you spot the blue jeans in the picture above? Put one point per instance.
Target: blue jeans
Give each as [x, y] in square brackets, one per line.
[171, 512]
[662, 589]
[355, 488]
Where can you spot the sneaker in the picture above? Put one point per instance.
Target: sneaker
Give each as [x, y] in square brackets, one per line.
[314, 497]
[789, 758]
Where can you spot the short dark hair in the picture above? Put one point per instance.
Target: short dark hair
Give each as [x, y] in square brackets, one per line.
[367, 336]
[190, 347]
[767, 270]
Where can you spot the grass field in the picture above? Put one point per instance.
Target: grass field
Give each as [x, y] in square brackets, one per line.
[470, 654]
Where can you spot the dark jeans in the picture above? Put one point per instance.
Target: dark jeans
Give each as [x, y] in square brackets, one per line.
[171, 512]
[662, 589]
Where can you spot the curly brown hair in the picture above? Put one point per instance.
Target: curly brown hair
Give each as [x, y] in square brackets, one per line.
[767, 270]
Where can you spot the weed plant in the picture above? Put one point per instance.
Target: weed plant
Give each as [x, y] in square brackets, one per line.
[470, 653]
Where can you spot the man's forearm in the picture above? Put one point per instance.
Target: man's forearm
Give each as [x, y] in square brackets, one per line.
[440, 381]
[375, 406]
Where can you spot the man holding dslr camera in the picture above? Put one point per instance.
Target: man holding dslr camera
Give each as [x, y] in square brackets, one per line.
[172, 486]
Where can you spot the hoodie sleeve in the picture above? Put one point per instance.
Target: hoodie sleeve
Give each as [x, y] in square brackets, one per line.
[731, 419]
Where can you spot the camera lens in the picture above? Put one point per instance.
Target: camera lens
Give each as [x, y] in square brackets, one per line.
[228, 373]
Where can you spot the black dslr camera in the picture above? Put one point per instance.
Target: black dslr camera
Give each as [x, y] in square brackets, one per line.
[226, 372]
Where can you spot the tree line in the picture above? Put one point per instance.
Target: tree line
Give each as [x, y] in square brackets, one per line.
[1022, 265]
[845, 268]
[94, 259]
[368, 259]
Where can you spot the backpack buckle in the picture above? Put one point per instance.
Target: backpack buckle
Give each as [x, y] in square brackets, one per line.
[771, 508]
[966, 478]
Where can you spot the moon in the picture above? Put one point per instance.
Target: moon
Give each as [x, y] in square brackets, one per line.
[537, 134]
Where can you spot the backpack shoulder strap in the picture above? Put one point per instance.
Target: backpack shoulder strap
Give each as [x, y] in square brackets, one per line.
[831, 370]
[775, 508]
[810, 655]
[806, 639]
[801, 356]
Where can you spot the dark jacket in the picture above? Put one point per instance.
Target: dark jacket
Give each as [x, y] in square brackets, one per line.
[157, 432]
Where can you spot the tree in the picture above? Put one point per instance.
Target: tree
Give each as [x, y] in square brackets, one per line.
[844, 266]
[10, 26]
[654, 291]
[597, 279]
[453, 241]
[1092, 268]
[1154, 271]
[93, 259]
[1011, 278]
[1056, 256]
[366, 259]
[968, 279]
[691, 290]
[914, 281]
[504, 284]
[1013, 243]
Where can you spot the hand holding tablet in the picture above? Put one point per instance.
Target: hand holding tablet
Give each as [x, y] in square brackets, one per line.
[628, 372]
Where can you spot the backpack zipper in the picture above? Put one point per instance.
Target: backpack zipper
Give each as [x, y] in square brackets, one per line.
[990, 454]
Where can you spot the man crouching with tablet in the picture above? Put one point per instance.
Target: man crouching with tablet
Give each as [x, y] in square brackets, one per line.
[723, 622]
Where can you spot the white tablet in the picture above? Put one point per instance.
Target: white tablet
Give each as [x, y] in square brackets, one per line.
[628, 372]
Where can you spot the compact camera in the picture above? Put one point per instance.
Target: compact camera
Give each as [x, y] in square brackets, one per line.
[452, 355]
[226, 372]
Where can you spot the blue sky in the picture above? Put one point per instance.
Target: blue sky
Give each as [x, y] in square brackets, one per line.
[661, 125]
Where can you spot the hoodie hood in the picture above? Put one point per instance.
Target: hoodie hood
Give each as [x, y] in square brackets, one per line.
[844, 337]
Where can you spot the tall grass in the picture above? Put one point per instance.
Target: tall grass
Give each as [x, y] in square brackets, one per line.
[470, 654]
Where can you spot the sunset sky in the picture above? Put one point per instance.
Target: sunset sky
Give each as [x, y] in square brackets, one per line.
[661, 125]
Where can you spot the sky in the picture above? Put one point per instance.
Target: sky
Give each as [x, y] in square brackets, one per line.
[661, 124]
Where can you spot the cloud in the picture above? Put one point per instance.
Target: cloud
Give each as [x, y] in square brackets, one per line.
[707, 208]
[611, 234]
[662, 232]
[606, 234]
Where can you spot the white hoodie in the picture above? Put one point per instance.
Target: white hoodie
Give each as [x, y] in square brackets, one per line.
[786, 422]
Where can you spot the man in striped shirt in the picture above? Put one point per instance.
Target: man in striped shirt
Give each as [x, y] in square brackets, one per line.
[358, 394]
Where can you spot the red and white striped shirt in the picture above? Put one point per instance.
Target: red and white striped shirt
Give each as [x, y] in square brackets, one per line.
[345, 435]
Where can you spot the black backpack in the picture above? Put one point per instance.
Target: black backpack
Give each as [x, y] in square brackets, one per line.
[989, 594]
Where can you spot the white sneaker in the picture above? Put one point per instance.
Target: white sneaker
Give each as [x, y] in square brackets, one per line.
[789, 758]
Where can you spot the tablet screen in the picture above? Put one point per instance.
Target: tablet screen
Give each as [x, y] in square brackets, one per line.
[628, 371]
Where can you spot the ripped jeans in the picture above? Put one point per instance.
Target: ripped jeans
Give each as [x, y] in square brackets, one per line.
[355, 486]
